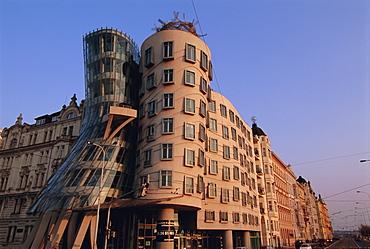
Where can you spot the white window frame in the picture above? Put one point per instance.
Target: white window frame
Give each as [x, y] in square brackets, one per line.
[168, 76]
[189, 78]
[167, 125]
[204, 61]
[212, 190]
[203, 85]
[226, 174]
[166, 177]
[236, 193]
[189, 131]
[189, 106]
[189, 157]
[201, 158]
[213, 167]
[202, 132]
[213, 124]
[152, 108]
[168, 50]
[225, 195]
[213, 145]
[212, 106]
[168, 101]
[188, 185]
[224, 216]
[203, 108]
[225, 132]
[236, 217]
[166, 151]
[236, 172]
[226, 152]
[190, 53]
[209, 216]
[223, 110]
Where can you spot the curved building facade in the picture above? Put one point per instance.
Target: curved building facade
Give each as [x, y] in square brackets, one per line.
[193, 149]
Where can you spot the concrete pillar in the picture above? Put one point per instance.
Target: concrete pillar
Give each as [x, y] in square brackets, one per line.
[228, 239]
[247, 239]
[165, 225]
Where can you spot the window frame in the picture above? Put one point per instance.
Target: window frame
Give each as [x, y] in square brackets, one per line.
[190, 53]
[148, 158]
[204, 61]
[189, 109]
[150, 81]
[166, 177]
[213, 145]
[167, 125]
[152, 108]
[148, 57]
[168, 101]
[189, 131]
[213, 167]
[188, 185]
[168, 76]
[166, 151]
[189, 78]
[168, 50]
[189, 157]
[212, 190]
[226, 173]
[150, 132]
[202, 132]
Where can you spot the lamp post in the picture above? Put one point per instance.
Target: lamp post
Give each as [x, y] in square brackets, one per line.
[100, 190]
[364, 160]
[367, 210]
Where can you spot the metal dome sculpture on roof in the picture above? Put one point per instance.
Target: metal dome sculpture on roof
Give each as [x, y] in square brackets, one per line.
[177, 24]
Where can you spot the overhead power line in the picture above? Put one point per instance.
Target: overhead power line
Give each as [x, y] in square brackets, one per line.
[346, 191]
[331, 158]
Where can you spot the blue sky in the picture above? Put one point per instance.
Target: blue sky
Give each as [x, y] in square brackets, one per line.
[301, 67]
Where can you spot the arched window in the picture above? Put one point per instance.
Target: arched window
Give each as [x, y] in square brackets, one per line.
[13, 143]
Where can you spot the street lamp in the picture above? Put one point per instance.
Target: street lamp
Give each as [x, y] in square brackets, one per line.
[364, 160]
[100, 190]
[358, 192]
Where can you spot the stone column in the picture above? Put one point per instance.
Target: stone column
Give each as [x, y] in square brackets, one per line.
[247, 239]
[165, 228]
[228, 239]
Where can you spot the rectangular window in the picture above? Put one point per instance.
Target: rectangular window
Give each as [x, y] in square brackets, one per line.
[189, 131]
[168, 50]
[210, 216]
[231, 115]
[223, 110]
[225, 195]
[189, 157]
[225, 132]
[233, 134]
[152, 110]
[190, 53]
[141, 110]
[244, 199]
[203, 85]
[150, 133]
[203, 108]
[212, 106]
[224, 216]
[226, 173]
[202, 132]
[166, 178]
[168, 100]
[213, 124]
[168, 76]
[149, 57]
[236, 217]
[189, 185]
[245, 218]
[226, 152]
[235, 153]
[204, 61]
[213, 145]
[201, 158]
[236, 194]
[189, 106]
[150, 83]
[212, 190]
[167, 151]
[237, 121]
[148, 158]
[213, 167]
[236, 173]
[189, 78]
[167, 127]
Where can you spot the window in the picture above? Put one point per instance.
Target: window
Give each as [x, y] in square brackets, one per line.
[189, 157]
[237, 121]
[203, 85]
[213, 145]
[213, 124]
[223, 216]
[167, 151]
[168, 100]
[225, 132]
[189, 106]
[189, 78]
[231, 115]
[201, 158]
[148, 158]
[226, 152]
[203, 108]
[166, 178]
[168, 76]
[210, 216]
[168, 50]
[189, 131]
[225, 195]
[167, 127]
[150, 83]
[244, 199]
[150, 133]
[190, 53]
[152, 110]
[213, 167]
[189, 185]
[149, 57]
[141, 110]
[236, 217]
[223, 110]
[236, 173]
[212, 106]
[71, 115]
[235, 153]
[204, 61]
[233, 134]
[202, 132]
[236, 194]
[212, 190]
[226, 173]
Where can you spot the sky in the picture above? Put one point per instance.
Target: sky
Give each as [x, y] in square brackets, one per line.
[301, 67]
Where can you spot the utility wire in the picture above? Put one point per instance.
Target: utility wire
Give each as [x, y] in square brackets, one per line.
[346, 191]
[331, 158]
